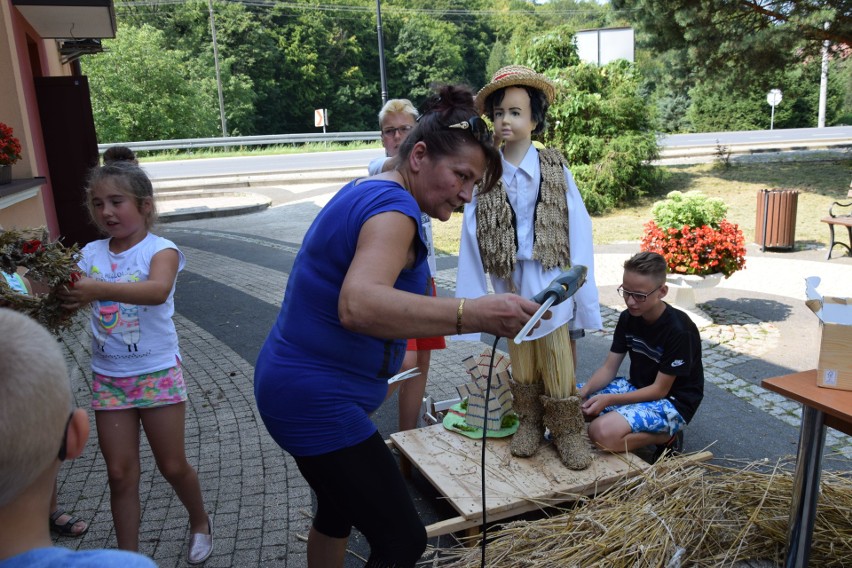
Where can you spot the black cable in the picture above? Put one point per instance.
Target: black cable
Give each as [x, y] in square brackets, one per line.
[484, 437]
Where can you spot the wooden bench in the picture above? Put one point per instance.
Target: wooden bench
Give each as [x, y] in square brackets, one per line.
[842, 219]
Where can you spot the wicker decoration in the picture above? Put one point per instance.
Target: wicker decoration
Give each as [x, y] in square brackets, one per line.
[495, 226]
[48, 262]
[499, 403]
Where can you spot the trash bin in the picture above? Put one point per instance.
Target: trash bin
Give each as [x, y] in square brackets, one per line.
[775, 226]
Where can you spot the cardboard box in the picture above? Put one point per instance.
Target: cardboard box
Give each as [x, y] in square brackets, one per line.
[834, 369]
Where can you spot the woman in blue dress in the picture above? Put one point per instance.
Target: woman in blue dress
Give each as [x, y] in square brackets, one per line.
[356, 292]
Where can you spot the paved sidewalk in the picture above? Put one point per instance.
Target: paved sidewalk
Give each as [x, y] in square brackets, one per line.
[261, 505]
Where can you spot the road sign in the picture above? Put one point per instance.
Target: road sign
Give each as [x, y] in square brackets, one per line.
[321, 117]
[773, 97]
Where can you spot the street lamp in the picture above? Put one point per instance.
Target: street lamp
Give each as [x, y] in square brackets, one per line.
[381, 52]
[216, 63]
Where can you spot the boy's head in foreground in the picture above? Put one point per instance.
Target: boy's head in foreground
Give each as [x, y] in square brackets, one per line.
[643, 285]
[37, 426]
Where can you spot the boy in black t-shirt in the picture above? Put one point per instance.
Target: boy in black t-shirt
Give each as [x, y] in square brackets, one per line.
[666, 382]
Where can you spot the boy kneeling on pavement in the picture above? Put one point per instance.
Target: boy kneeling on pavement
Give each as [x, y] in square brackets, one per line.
[666, 382]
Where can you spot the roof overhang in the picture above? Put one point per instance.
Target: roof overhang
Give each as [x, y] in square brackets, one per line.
[69, 19]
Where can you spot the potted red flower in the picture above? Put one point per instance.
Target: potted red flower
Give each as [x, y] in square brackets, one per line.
[691, 232]
[10, 152]
[700, 246]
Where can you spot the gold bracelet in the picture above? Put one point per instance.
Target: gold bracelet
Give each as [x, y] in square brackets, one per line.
[459, 313]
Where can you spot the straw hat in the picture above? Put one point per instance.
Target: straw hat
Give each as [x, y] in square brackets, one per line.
[513, 76]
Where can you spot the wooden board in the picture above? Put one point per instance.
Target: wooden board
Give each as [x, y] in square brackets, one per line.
[451, 462]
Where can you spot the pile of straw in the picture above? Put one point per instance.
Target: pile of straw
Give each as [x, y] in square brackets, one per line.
[678, 512]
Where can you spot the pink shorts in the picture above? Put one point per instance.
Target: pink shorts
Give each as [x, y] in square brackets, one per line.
[427, 343]
[150, 390]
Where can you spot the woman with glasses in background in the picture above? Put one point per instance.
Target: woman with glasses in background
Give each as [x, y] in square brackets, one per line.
[397, 119]
[355, 291]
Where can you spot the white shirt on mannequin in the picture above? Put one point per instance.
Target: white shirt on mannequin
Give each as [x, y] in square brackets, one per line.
[529, 277]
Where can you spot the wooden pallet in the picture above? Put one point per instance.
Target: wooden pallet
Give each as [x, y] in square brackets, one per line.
[451, 462]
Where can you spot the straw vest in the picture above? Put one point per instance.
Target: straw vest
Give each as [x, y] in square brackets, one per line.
[496, 226]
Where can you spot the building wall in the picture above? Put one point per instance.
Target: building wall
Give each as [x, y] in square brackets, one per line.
[23, 55]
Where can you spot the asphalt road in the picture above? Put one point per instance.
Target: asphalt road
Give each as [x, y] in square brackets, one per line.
[801, 137]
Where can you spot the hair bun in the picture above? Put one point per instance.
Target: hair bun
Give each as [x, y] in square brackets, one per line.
[449, 99]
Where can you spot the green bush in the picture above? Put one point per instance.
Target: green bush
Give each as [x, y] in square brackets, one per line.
[692, 208]
[604, 127]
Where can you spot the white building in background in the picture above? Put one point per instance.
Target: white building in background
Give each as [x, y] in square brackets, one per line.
[602, 45]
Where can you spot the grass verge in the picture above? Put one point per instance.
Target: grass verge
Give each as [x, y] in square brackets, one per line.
[819, 177]
[234, 151]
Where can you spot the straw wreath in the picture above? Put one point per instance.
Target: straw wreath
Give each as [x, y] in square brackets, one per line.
[47, 262]
[677, 513]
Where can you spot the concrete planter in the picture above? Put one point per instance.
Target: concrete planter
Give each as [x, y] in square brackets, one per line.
[682, 294]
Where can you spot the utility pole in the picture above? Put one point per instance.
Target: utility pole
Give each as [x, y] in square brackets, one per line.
[218, 76]
[381, 52]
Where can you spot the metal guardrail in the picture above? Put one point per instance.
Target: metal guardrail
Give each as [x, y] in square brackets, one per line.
[237, 141]
[736, 148]
[375, 135]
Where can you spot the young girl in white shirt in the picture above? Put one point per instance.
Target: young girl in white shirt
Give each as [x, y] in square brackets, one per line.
[137, 377]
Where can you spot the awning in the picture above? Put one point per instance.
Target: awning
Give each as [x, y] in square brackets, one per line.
[69, 19]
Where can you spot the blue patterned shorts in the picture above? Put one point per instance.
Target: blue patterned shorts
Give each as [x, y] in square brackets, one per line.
[656, 416]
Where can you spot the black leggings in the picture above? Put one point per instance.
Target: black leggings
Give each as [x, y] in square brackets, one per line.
[361, 486]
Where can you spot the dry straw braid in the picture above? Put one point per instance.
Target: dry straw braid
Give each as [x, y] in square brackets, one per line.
[495, 233]
[551, 246]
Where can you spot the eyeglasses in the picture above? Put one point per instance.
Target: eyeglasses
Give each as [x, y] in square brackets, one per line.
[477, 127]
[390, 131]
[63, 449]
[638, 296]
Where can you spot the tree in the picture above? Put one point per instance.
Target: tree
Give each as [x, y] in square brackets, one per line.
[723, 105]
[599, 121]
[426, 53]
[322, 56]
[729, 53]
[719, 35]
[143, 90]
[245, 50]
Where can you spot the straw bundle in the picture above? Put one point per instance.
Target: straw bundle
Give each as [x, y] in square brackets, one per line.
[523, 362]
[557, 363]
[548, 357]
[677, 513]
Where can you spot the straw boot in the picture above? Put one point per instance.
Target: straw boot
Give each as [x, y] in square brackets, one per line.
[527, 405]
[565, 420]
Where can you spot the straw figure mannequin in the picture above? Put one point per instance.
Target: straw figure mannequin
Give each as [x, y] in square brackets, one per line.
[522, 235]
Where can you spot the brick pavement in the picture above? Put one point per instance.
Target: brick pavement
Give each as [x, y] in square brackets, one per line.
[261, 504]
